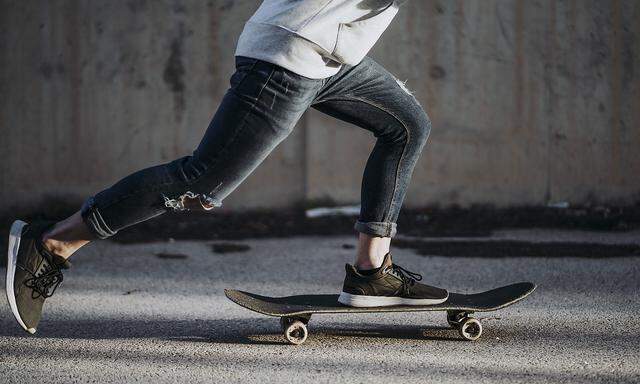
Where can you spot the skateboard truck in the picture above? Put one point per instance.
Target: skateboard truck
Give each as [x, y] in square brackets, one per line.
[468, 327]
[295, 330]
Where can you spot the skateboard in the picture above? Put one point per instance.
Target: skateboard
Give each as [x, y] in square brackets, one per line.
[295, 311]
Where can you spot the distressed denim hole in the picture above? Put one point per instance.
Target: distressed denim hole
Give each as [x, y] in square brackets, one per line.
[191, 201]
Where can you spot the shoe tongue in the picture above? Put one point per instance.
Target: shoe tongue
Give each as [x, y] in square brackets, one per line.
[386, 262]
[52, 258]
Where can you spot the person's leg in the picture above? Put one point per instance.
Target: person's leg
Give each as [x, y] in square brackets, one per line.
[260, 109]
[370, 97]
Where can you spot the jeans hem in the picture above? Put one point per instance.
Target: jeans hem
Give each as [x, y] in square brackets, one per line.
[376, 228]
[94, 220]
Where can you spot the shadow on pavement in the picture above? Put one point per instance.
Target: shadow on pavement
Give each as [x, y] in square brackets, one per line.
[234, 331]
[225, 331]
[267, 331]
[211, 335]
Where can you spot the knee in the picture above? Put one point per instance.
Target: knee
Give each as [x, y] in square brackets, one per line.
[190, 185]
[419, 127]
[412, 130]
[425, 127]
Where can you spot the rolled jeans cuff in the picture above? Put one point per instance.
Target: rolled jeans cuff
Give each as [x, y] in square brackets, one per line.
[94, 220]
[376, 228]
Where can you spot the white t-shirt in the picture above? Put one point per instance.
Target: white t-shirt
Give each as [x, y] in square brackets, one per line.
[314, 38]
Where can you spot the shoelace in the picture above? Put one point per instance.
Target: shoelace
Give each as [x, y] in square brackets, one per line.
[408, 278]
[44, 284]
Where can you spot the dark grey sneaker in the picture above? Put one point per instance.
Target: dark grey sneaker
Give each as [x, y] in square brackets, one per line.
[33, 273]
[388, 285]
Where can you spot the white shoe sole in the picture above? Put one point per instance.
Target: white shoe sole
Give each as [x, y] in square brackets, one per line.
[383, 301]
[12, 257]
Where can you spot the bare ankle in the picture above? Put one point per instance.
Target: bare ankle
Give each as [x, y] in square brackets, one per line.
[67, 236]
[57, 247]
[366, 265]
[371, 251]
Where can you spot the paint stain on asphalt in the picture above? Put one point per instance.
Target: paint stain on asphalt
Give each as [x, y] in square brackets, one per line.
[174, 256]
[229, 247]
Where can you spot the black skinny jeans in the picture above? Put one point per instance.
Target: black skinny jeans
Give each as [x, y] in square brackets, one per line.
[259, 110]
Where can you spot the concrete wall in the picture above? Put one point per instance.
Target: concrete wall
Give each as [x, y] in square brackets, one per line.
[531, 101]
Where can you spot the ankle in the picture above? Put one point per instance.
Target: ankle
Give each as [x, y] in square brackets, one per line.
[371, 251]
[371, 260]
[366, 265]
[67, 236]
[57, 247]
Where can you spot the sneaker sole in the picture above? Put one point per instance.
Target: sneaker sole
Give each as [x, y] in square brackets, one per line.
[383, 301]
[12, 257]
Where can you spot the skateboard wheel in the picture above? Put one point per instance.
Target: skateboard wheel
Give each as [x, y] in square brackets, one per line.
[294, 331]
[470, 329]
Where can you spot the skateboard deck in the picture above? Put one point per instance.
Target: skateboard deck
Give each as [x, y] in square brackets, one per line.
[295, 311]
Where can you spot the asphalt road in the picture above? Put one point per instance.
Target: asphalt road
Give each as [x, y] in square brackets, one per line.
[123, 314]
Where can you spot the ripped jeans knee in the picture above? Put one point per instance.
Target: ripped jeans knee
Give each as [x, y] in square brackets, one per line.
[105, 218]
[190, 201]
